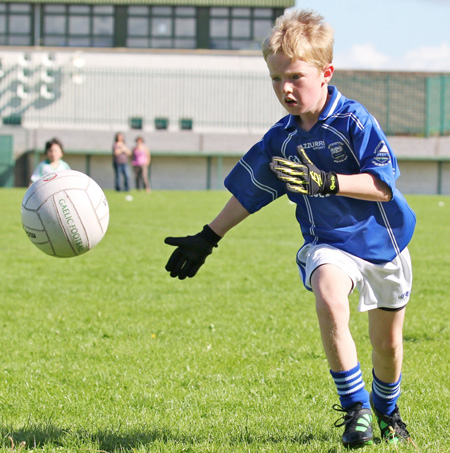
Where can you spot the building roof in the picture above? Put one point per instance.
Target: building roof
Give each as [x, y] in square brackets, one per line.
[214, 3]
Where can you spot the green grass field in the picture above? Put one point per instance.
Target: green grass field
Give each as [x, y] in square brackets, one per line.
[105, 352]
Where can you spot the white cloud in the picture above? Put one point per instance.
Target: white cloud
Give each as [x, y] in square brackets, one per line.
[361, 56]
[429, 58]
[367, 57]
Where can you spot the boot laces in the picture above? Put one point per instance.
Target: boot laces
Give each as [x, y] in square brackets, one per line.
[345, 419]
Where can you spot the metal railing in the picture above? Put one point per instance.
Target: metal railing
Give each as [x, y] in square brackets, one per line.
[211, 100]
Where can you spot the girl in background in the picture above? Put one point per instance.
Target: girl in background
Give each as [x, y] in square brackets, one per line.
[141, 161]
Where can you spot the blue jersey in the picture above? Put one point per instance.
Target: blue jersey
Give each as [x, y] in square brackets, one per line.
[347, 140]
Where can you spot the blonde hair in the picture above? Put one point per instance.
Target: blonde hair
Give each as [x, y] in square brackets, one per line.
[303, 35]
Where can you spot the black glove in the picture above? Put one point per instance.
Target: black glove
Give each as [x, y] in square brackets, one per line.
[305, 177]
[191, 252]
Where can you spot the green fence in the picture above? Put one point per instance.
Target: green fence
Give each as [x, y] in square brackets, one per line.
[437, 108]
[208, 100]
[6, 161]
[403, 103]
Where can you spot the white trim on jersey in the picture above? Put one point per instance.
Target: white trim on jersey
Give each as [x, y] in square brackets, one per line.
[352, 116]
[310, 217]
[286, 142]
[334, 106]
[256, 183]
[388, 227]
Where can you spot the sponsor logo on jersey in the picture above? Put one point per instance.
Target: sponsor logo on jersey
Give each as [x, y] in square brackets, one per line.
[317, 144]
[382, 156]
[337, 151]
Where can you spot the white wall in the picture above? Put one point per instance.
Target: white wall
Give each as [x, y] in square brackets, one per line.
[168, 172]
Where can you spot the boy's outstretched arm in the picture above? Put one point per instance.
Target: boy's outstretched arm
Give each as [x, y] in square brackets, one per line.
[364, 186]
[307, 179]
[191, 251]
[232, 214]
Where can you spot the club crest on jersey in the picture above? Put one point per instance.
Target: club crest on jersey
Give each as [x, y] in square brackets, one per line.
[337, 151]
[382, 156]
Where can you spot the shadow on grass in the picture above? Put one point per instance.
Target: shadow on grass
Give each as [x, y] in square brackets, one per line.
[40, 436]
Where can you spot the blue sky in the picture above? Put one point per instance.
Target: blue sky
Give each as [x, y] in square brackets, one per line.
[401, 35]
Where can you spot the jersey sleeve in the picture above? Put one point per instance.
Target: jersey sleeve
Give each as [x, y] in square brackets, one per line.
[375, 154]
[252, 182]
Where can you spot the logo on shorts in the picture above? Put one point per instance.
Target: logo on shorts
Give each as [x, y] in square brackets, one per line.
[337, 151]
[404, 295]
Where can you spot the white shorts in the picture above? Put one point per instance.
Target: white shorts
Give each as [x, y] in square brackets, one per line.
[386, 285]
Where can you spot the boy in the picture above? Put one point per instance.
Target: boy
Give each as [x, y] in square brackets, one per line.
[54, 153]
[331, 158]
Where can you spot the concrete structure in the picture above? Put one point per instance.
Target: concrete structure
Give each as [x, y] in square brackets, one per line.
[189, 160]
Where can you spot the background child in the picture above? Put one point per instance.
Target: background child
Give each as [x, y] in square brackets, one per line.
[121, 154]
[331, 158]
[54, 153]
[140, 161]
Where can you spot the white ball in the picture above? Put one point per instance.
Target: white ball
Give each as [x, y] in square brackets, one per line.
[65, 213]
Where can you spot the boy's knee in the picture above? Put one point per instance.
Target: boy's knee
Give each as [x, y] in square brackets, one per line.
[388, 345]
[331, 306]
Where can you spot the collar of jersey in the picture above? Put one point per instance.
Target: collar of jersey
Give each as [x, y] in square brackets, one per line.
[329, 109]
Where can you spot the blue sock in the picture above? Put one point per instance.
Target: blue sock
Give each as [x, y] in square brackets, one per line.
[384, 395]
[350, 387]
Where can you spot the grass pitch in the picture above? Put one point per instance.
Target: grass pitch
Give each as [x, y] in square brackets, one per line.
[105, 352]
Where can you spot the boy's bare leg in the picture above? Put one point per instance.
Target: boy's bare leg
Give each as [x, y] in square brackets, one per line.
[331, 288]
[386, 336]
